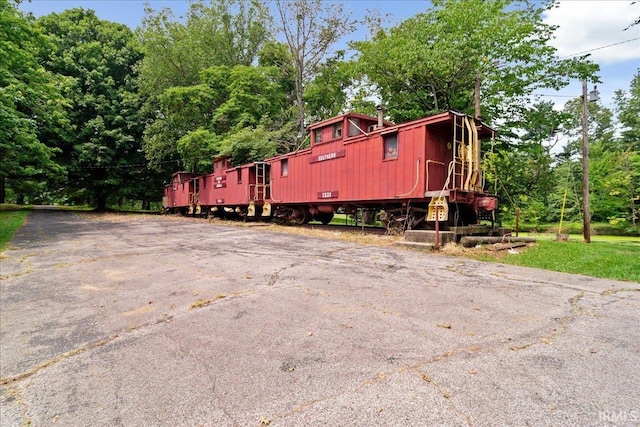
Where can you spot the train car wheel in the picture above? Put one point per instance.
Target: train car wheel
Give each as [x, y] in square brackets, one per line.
[280, 220]
[301, 216]
[325, 217]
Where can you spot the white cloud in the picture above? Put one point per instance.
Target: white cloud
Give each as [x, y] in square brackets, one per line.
[585, 25]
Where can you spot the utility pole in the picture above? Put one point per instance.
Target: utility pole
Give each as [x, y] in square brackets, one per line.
[586, 221]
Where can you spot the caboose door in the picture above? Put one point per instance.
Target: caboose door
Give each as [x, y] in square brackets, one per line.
[259, 179]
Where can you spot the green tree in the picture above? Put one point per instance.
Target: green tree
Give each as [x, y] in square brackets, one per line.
[256, 101]
[177, 101]
[429, 62]
[96, 59]
[614, 165]
[197, 148]
[565, 199]
[609, 182]
[180, 110]
[326, 95]
[276, 54]
[310, 28]
[30, 105]
[228, 32]
[218, 116]
[524, 161]
[628, 109]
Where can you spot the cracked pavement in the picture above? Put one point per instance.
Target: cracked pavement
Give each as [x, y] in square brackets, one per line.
[167, 321]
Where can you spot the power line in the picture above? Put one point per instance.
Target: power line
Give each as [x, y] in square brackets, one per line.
[580, 53]
[555, 96]
[601, 47]
[139, 165]
[504, 64]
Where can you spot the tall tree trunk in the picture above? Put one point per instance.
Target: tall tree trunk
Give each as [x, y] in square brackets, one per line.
[3, 190]
[101, 202]
[300, 99]
[310, 28]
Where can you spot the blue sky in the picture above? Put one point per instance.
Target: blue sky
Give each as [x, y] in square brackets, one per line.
[130, 12]
[584, 25]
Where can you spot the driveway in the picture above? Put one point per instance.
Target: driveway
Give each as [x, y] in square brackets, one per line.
[164, 321]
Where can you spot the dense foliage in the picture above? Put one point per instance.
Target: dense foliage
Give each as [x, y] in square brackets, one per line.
[30, 107]
[544, 181]
[91, 112]
[95, 59]
[430, 62]
[189, 70]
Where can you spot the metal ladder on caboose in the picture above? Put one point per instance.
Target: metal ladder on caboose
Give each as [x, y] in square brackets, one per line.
[466, 154]
[262, 181]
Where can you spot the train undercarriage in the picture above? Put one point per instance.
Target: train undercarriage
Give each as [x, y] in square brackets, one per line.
[396, 218]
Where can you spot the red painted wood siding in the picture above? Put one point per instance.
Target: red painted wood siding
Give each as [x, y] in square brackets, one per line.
[179, 191]
[439, 151]
[239, 193]
[362, 174]
[212, 189]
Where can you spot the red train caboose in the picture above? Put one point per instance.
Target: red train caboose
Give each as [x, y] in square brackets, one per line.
[410, 171]
[180, 196]
[412, 174]
[234, 191]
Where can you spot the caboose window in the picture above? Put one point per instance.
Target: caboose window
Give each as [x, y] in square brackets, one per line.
[318, 136]
[391, 146]
[354, 127]
[284, 164]
[337, 130]
[239, 172]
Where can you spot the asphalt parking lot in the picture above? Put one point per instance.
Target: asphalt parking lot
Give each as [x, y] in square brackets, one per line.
[158, 321]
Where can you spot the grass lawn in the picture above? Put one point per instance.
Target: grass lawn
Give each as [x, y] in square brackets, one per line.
[594, 238]
[11, 219]
[611, 257]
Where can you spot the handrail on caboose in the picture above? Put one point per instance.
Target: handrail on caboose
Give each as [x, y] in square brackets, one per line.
[417, 179]
[427, 171]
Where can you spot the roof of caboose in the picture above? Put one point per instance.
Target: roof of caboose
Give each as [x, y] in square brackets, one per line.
[339, 118]
[186, 175]
[183, 173]
[440, 118]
